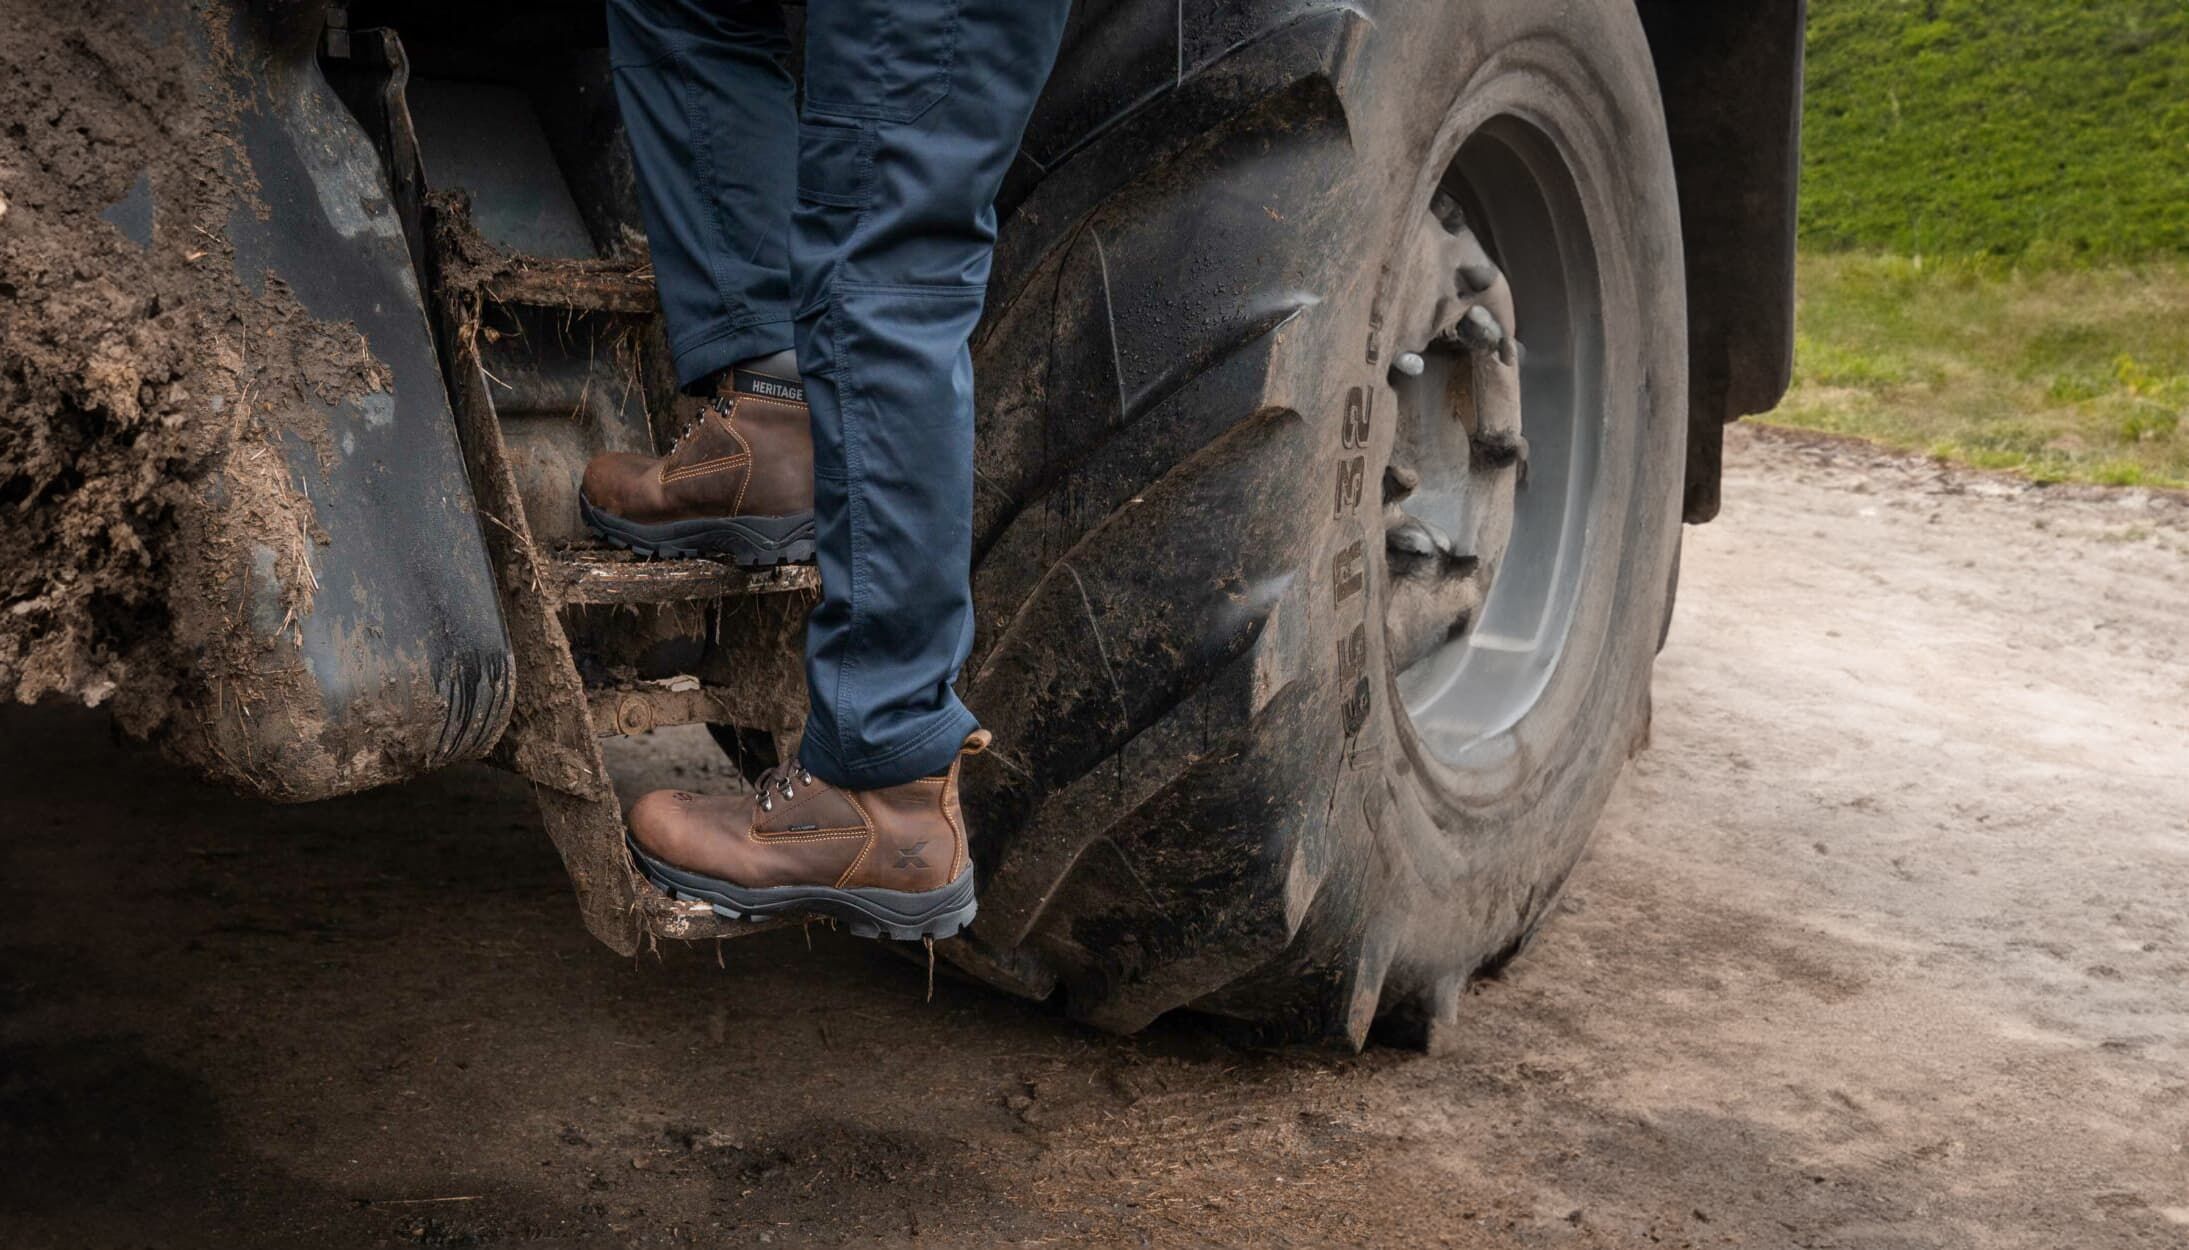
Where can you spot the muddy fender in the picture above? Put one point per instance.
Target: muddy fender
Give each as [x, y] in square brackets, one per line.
[337, 579]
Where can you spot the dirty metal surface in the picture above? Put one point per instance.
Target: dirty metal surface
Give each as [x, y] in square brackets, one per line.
[553, 737]
[553, 733]
[376, 665]
[599, 575]
[550, 738]
[622, 711]
[581, 286]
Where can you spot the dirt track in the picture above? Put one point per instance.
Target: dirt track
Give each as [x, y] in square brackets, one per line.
[1885, 943]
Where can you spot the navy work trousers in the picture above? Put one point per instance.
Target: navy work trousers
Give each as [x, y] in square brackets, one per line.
[854, 222]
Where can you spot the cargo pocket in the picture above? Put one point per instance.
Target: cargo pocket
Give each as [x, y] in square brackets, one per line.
[888, 60]
[835, 163]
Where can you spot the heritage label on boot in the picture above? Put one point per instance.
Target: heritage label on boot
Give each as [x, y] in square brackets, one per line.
[761, 386]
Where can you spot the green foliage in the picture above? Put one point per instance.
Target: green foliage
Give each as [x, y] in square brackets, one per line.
[2060, 374]
[2052, 131]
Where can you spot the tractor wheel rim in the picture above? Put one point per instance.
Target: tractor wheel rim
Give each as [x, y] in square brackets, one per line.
[1498, 378]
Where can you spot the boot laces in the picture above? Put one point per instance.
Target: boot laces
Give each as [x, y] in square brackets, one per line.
[706, 410]
[781, 781]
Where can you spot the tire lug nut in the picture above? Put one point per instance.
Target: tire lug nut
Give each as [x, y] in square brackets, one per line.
[1410, 364]
[1498, 450]
[1412, 539]
[1447, 212]
[1479, 330]
[1399, 482]
[1475, 277]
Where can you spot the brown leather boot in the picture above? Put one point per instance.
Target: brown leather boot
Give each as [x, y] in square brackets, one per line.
[883, 861]
[738, 485]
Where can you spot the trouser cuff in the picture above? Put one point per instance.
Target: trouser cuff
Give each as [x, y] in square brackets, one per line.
[928, 753]
[697, 365]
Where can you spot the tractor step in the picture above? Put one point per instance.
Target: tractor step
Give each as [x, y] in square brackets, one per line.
[554, 733]
[609, 575]
[550, 354]
[575, 285]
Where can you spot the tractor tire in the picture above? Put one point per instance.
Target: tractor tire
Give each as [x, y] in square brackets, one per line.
[1317, 613]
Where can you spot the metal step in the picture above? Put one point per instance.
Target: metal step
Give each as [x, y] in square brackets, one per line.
[554, 733]
[577, 285]
[483, 292]
[607, 575]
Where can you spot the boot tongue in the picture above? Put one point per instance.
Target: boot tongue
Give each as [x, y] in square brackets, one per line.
[790, 772]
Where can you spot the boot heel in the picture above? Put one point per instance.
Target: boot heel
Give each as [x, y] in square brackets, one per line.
[942, 925]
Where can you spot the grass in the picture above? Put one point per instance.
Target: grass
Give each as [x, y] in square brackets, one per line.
[2048, 131]
[1995, 222]
[2062, 374]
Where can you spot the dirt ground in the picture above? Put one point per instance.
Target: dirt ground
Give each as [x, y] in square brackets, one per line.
[1885, 943]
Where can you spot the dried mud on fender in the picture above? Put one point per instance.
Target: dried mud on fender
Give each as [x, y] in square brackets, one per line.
[142, 382]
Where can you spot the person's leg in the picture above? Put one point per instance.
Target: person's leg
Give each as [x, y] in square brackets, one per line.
[709, 104]
[912, 112]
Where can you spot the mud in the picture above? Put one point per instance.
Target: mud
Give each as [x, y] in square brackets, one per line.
[1882, 945]
[621, 282]
[144, 381]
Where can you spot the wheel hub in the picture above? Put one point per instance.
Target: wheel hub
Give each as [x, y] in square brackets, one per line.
[1493, 459]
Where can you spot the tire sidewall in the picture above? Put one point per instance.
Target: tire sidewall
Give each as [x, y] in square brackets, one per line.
[1467, 858]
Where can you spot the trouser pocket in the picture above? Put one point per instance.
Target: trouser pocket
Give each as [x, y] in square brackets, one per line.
[890, 60]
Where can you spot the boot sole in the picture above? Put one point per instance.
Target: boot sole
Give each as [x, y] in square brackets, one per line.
[747, 541]
[868, 913]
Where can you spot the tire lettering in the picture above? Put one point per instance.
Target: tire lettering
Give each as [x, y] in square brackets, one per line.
[1360, 411]
[1349, 574]
[1349, 569]
[1358, 707]
[1353, 653]
[1351, 476]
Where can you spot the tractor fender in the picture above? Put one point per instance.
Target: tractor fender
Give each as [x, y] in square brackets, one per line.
[363, 638]
[1730, 72]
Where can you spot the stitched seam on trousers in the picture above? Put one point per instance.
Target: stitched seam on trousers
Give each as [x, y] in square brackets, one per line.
[848, 384]
[830, 198]
[703, 169]
[728, 331]
[946, 70]
[853, 505]
[626, 67]
[933, 290]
